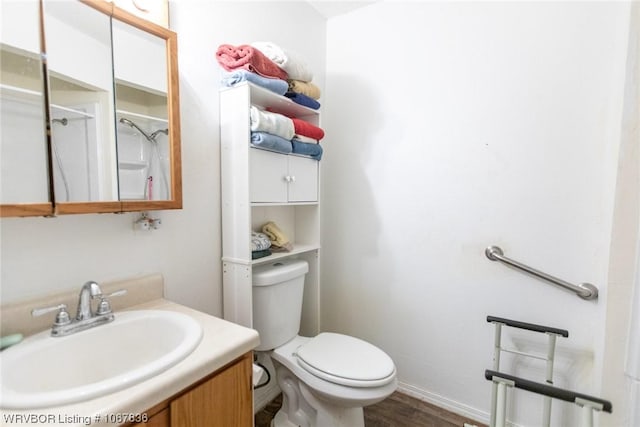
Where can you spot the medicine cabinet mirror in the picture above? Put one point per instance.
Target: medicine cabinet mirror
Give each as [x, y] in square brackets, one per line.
[24, 171]
[114, 129]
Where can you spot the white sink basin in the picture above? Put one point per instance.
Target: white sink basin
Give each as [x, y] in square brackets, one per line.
[44, 371]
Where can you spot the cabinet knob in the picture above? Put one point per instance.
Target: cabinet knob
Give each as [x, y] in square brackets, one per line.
[293, 178]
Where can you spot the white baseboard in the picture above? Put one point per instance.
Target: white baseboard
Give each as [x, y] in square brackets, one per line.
[442, 402]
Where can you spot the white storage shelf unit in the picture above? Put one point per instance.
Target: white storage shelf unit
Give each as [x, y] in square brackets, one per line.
[259, 186]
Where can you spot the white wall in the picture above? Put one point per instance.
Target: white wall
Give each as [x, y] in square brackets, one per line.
[42, 255]
[622, 339]
[450, 127]
[455, 126]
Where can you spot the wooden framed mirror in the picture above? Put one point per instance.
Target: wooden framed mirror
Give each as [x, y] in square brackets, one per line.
[147, 113]
[145, 118]
[78, 48]
[24, 178]
[113, 112]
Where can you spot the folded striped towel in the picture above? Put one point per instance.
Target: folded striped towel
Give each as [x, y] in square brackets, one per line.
[259, 241]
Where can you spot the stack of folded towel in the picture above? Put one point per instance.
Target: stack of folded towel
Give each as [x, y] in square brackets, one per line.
[277, 132]
[246, 63]
[270, 239]
[299, 75]
[260, 244]
[271, 67]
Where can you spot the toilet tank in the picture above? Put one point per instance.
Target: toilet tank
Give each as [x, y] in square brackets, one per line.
[277, 301]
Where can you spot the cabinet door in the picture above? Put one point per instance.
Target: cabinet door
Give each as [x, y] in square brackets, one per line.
[303, 183]
[268, 176]
[223, 401]
[161, 419]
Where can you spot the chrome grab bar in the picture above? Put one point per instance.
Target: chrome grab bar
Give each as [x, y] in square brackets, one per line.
[583, 290]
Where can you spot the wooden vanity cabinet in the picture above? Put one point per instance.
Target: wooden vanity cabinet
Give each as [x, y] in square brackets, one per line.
[160, 419]
[223, 399]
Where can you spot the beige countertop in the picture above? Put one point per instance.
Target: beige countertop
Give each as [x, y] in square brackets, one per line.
[222, 342]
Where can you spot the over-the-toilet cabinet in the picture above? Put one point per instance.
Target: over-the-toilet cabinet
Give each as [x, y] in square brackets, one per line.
[89, 110]
[281, 179]
[259, 186]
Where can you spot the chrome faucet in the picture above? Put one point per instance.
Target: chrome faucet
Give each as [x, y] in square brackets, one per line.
[86, 317]
[89, 291]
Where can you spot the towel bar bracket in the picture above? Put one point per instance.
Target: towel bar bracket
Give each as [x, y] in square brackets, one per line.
[585, 291]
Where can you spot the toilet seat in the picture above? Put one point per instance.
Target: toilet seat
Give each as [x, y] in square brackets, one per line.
[346, 360]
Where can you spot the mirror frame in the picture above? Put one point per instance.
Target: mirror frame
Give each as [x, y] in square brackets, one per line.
[51, 208]
[173, 112]
[44, 208]
[64, 208]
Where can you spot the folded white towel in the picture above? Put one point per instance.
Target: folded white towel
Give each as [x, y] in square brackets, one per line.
[306, 139]
[272, 51]
[289, 61]
[273, 123]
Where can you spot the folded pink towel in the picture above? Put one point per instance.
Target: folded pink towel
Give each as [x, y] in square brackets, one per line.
[307, 129]
[249, 58]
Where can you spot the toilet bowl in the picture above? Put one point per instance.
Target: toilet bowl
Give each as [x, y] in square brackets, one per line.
[326, 380]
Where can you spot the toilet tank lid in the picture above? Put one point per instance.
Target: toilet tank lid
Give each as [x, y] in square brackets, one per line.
[278, 272]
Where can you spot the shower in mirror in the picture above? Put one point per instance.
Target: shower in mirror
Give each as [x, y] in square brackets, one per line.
[76, 153]
[60, 166]
[143, 159]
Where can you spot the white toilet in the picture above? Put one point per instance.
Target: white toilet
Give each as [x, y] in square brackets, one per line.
[325, 380]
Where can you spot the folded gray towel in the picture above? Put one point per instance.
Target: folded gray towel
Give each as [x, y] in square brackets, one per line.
[259, 241]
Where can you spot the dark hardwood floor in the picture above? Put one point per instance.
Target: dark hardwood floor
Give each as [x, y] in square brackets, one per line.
[398, 410]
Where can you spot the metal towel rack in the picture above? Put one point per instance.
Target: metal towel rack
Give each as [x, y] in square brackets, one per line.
[583, 290]
[501, 381]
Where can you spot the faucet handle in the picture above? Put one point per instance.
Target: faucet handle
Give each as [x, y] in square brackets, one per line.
[62, 318]
[117, 293]
[103, 306]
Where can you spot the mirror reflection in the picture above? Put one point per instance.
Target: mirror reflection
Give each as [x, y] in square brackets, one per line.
[23, 144]
[140, 72]
[78, 45]
[107, 93]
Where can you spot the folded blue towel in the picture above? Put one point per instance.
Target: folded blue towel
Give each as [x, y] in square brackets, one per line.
[238, 76]
[302, 99]
[312, 150]
[271, 142]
